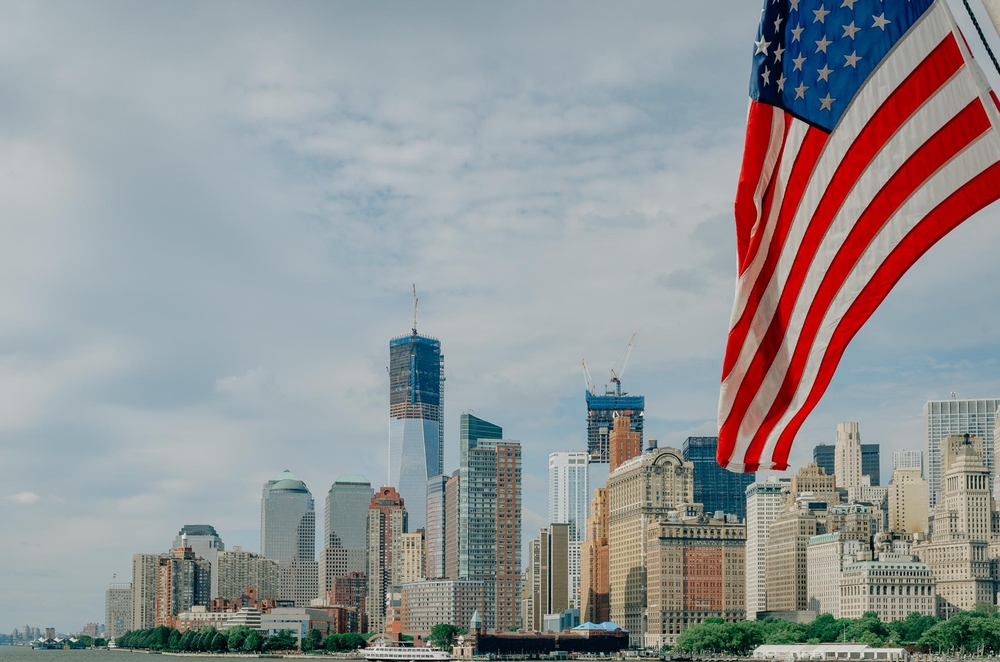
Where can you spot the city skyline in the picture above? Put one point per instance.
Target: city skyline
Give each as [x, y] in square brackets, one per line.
[210, 247]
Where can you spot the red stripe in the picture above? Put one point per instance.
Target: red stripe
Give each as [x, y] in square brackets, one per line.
[960, 205]
[933, 72]
[765, 210]
[759, 122]
[951, 139]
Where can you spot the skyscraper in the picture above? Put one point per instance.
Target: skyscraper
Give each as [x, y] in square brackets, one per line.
[546, 578]
[624, 443]
[847, 454]
[490, 518]
[569, 501]
[416, 418]
[437, 521]
[871, 463]
[946, 417]
[765, 501]
[345, 529]
[714, 487]
[240, 570]
[824, 456]
[452, 541]
[205, 542]
[183, 580]
[288, 535]
[118, 609]
[144, 572]
[601, 410]
[594, 577]
[387, 522]
[908, 460]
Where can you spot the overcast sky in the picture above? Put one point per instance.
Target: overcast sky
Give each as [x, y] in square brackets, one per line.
[212, 217]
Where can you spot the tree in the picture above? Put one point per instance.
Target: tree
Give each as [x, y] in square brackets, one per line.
[174, 643]
[443, 635]
[253, 643]
[220, 643]
[236, 636]
[281, 641]
[312, 640]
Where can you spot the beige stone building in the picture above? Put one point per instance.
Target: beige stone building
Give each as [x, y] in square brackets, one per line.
[694, 571]
[643, 490]
[594, 577]
[547, 576]
[765, 501]
[826, 555]
[387, 522]
[412, 561]
[961, 530]
[788, 540]
[847, 456]
[908, 501]
[813, 479]
[894, 586]
[240, 570]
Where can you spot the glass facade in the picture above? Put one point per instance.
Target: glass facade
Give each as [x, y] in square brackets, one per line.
[946, 417]
[715, 487]
[206, 543]
[824, 456]
[601, 411]
[416, 419]
[871, 462]
[288, 535]
[346, 523]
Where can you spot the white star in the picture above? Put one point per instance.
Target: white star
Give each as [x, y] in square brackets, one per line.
[778, 52]
[880, 21]
[849, 4]
[766, 76]
[800, 91]
[777, 24]
[798, 62]
[797, 32]
[820, 14]
[827, 102]
[762, 46]
[795, 5]
[824, 73]
[852, 60]
[850, 30]
[822, 44]
[781, 83]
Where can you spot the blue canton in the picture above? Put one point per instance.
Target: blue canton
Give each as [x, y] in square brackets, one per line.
[812, 56]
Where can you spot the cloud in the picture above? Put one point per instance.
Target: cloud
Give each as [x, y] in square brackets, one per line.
[252, 381]
[23, 498]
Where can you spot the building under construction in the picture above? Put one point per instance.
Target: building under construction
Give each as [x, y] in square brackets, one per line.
[602, 409]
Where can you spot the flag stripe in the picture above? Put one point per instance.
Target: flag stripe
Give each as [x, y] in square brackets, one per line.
[758, 165]
[959, 132]
[876, 132]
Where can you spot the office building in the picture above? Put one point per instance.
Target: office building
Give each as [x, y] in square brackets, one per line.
[949, 417]
[204, 540]
[644, 489]
[908, 499]
[695, 571]
[144, 582]
[288, 535]
[118, 609]
[961, 528]
[765, 501]
[894, 586]
[826, 555]
[594, 577]
[412, 558]
[601, 412]
[436, 532]
[427, 603]
[624, 443]
[847, 456]
[387, 522]
[871, 463]
[908, 460]
[548, 573]
[452, 541]
[814, 480]
[569, 501]
[489, 525]
[345, 529]
[416, 419]
[825, 457]
[787, 544]
[714, 487]
[183, 580]
[240, 570]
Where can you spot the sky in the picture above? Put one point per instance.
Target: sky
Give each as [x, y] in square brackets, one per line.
[213, 214]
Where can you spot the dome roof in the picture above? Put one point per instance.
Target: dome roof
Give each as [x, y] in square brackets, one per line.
[287, 481]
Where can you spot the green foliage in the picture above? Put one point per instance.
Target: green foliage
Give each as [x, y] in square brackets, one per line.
[281, 641]
[313, 640]
[174, 642]
[235, 637]
[344, 642]
[443, 635]
[254, 642]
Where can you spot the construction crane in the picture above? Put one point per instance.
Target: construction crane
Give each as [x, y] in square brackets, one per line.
[616, 372]
[587, 381]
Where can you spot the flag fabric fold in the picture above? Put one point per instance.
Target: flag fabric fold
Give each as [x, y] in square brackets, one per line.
[871, 134]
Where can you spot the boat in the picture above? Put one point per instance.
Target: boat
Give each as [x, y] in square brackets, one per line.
[383, 651]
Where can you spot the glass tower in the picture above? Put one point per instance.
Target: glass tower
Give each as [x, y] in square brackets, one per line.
[288, 535]
[569, 503]
[206, 543]
[946, 417]
[715, 487]
[346, 523]
[416, 419]
[823, 456]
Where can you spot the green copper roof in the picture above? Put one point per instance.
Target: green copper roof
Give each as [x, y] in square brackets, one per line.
[286, 480]
[352, 479]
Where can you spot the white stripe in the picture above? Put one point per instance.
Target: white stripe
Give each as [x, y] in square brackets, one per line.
[908, 54]
[947, 102]
[976, 158]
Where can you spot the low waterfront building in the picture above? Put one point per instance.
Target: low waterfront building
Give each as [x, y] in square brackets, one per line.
[200, 618]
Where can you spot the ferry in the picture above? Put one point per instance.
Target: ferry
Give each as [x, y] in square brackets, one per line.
[384, 652]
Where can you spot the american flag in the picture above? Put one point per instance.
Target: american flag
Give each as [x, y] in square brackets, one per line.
[871, 134]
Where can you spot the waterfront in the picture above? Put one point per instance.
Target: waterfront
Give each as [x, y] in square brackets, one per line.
[26, 654]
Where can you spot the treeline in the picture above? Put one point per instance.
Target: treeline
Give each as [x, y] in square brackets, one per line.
[239, 639]
[970, 631]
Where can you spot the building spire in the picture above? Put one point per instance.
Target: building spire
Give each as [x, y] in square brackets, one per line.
[414, 309]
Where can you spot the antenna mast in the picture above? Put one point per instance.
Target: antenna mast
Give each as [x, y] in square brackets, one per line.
[414, 309]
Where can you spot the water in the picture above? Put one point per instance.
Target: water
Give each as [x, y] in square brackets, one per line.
[25, 654]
